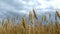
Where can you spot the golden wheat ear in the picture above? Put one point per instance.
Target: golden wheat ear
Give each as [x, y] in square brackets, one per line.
[2, 22]
[57, 14]
[23, 22]
[8, 18]
[35, 15]
[55, 17]
[31, 17]
[43, 18]
[8, 22]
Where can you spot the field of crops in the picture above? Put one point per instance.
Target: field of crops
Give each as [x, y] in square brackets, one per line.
[30, 26]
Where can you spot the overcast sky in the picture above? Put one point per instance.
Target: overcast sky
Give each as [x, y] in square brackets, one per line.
[24, 6]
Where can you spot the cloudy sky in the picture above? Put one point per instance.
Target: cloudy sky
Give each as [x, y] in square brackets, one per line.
[24, 6]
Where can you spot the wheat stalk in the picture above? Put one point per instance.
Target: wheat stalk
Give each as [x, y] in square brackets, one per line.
[51, 27]
[56, 27]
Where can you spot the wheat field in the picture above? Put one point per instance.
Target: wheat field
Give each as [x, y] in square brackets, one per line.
[24, 27]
